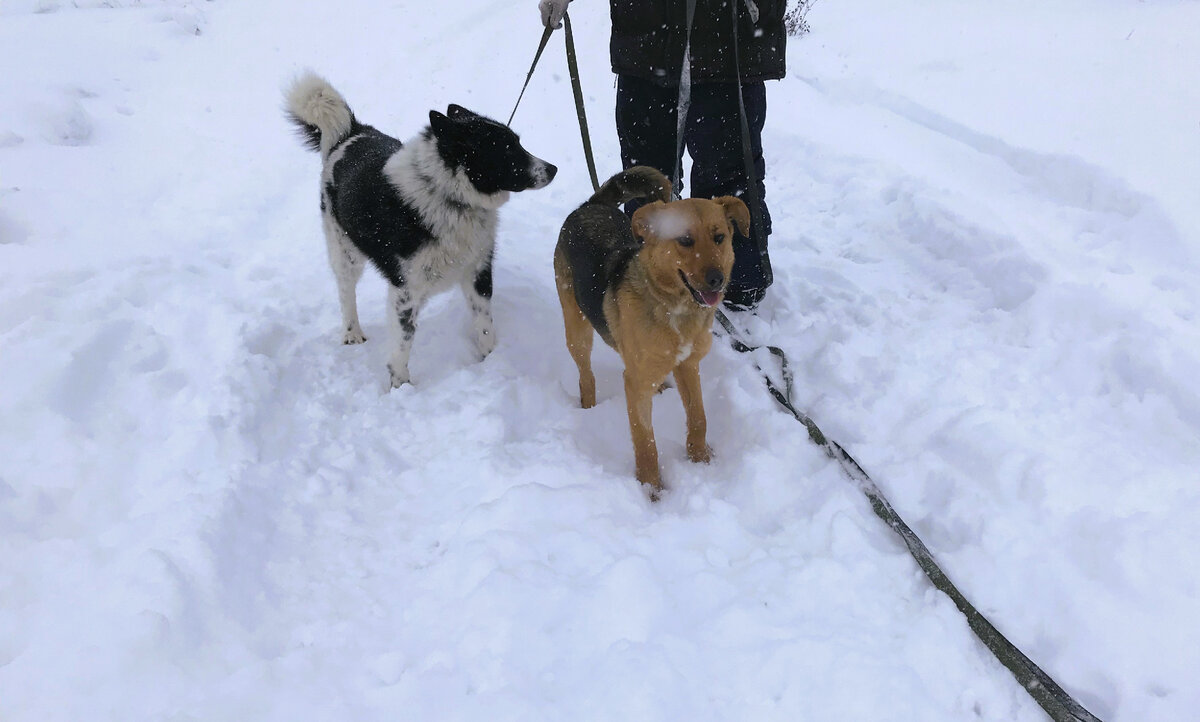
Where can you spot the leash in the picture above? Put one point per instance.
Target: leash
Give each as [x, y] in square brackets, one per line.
[1057, 703]
[683, 107]
[528, 76]
[576, 89]
[760, 231]
[1053, 699]
[683, 104]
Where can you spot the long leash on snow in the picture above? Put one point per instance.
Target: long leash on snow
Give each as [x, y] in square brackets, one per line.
[1057, 703]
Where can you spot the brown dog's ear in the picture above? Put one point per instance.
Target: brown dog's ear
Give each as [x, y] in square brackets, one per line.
[643, 220]
[737, 212]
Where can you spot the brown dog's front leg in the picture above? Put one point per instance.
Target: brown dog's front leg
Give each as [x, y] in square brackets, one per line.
[687, 375]
[639, 397]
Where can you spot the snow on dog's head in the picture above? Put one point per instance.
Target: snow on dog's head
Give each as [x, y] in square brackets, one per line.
[488, 153]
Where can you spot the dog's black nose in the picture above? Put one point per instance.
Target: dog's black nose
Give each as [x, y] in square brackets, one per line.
[714, 278]
[551, 170]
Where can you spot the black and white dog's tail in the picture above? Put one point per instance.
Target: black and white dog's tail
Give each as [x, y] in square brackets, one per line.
[637, 183]
[320, 113]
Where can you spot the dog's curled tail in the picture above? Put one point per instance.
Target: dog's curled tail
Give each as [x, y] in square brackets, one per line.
[640, 182]
[320, 113]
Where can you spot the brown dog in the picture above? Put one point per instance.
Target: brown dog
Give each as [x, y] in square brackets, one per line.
[650, 289]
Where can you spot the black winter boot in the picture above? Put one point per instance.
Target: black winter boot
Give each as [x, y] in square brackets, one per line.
[750, 277]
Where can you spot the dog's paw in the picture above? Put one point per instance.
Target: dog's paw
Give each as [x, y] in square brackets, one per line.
[587, 390]
[654, 491]
[652, 480]
[485, 343]
[700, 453]
[353, 336]
[399, 376]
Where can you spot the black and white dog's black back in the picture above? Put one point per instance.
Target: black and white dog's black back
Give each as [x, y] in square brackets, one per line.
[424, 213]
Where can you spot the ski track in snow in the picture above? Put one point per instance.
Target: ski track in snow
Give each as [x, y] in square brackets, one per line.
[211, 509]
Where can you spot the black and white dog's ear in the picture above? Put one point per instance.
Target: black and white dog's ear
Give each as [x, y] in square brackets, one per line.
[457, 111]
[439, 123]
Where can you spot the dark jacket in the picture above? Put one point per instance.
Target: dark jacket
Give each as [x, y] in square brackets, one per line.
[648, 39]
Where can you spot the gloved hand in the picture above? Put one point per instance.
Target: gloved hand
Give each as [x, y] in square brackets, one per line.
[552, 12]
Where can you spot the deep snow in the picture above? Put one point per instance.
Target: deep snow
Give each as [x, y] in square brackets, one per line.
[987, 254]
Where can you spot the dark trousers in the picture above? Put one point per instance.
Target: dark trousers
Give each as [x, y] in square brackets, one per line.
[647, 125]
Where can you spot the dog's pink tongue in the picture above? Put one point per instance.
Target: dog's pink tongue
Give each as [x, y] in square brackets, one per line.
[710, 298]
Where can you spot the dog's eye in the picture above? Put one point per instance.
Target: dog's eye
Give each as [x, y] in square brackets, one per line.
[686, 241]
[717, 238]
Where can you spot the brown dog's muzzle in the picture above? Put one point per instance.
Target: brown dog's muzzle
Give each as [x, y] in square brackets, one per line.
[709, 292]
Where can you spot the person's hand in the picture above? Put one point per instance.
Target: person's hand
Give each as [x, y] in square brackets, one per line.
[552, 12]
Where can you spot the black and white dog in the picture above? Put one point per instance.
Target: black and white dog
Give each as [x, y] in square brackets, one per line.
[423, 213]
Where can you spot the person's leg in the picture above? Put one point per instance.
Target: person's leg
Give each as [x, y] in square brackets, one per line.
[646, 126]
[714, 141]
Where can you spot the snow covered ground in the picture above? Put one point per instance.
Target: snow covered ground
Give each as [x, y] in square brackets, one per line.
[987, 257]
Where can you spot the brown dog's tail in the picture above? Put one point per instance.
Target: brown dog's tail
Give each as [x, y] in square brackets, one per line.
[640, 182]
